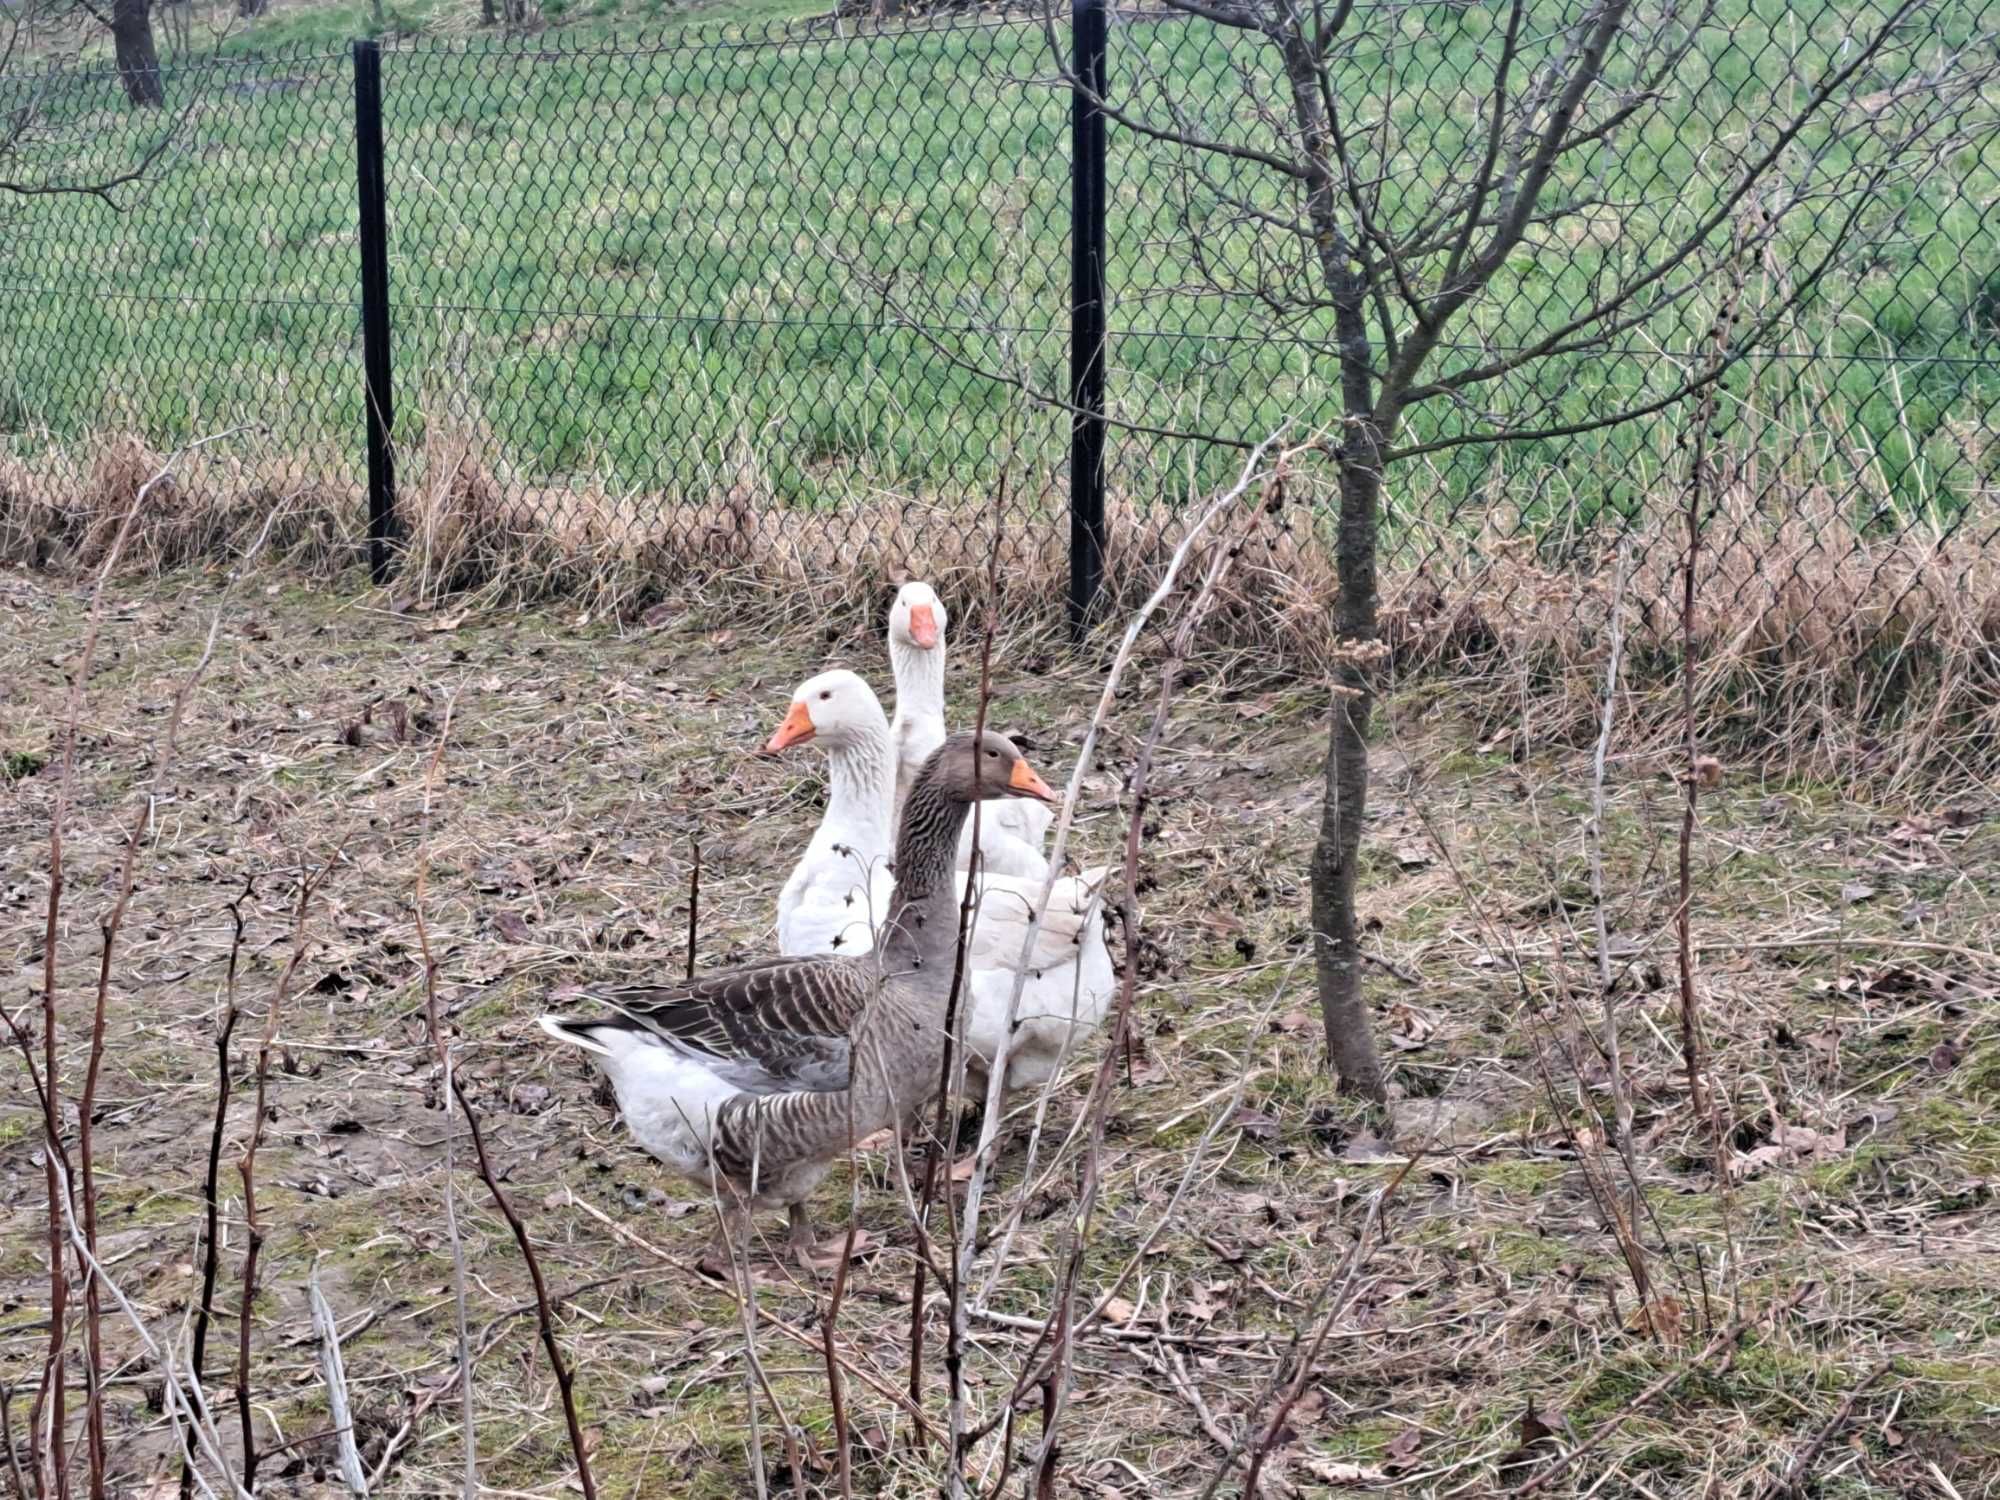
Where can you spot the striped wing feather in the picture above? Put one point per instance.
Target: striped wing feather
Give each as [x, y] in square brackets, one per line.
[766, 1028]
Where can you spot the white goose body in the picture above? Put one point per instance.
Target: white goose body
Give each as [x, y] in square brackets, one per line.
[841, 889]
[1012, 835]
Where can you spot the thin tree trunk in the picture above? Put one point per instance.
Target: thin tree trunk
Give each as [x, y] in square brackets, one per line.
[138, 62]
[1337, 962]
[1350, 1044]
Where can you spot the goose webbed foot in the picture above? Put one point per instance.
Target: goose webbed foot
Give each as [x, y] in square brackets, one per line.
[799, 1231]
[731, 1237]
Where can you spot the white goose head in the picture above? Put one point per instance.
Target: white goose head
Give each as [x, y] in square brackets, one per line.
[917, 619]
[837, 709]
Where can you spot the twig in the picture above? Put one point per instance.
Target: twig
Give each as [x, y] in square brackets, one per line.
[836, 1395]
[952, 1066]
[1056, 1383]
[470, 1478]
[1309, 1362]
[1801, 1467]
[211, 1235]
[1698, 769]
[694, 903]
[1728, 1336]
[545, 1318]
[50, 1395]
[347, 1454]
[791, 1331]
[1621, 1101]
[108, 929]
[7, 1440]
[183, 1401]
[246, 1168]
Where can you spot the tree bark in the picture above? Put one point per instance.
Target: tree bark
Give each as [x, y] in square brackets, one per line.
[250, 9]
[1350, 1044]
[138, 62]
[1337, 961]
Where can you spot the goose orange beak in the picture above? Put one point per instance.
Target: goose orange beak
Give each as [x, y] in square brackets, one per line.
[796, 730]
[1024, 782]
[923, 625]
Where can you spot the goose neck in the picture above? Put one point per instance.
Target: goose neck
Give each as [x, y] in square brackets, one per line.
[923, 915]
[919, 679]
[861, 788]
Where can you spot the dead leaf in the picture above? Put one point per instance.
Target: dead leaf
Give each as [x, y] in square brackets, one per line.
[1119, 1312]
[1660, 1318]
[1856, 893]
[827, 1254]
[1414, 856]
[1537, 1440]
[1945, 1056]
[511, 927]
[1335, 1471]
[1200, 1309]
[1409, 1028]
[447, 622]
[1403, 1447]
[1255, 1123]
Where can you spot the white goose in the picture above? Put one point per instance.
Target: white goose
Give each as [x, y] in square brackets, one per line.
[841, 890]
[1011, 834]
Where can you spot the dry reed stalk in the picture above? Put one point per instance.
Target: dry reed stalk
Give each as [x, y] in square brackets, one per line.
[1056, 1381]
[1827, 647]
[1621, 1099]
[347, 1455]
[1722, 1340]
[246, 1169]
[469, 1480]
[184, 1409]
[50, 1397]
[544, 1314]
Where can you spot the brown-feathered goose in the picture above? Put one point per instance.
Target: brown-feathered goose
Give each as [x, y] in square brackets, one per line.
[757, 1078]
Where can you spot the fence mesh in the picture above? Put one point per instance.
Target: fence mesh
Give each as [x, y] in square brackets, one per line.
[799, 296]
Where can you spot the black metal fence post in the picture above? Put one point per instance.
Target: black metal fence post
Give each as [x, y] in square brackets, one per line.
[375, 366]
[1089, 35]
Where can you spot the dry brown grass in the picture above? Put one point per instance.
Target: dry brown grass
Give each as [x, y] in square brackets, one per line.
[1823, 646]
[1848, 968]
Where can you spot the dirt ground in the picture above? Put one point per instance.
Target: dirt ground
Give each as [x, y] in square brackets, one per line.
[1847, 976]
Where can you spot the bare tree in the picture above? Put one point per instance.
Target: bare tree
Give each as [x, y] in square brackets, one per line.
[130, 24]
[138, 61]
[51, 148]
[1392, 243]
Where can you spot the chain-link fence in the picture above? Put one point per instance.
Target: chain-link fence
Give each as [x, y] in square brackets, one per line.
[801, 297]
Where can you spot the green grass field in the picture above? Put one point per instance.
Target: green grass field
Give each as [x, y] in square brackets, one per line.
[644, 264]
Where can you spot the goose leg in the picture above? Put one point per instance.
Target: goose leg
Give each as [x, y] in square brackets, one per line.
[734, 1230]
[800, 1231]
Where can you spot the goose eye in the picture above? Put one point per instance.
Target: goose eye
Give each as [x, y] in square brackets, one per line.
[826, 695]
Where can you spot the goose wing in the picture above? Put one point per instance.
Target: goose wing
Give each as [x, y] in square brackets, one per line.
[774, 1027]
